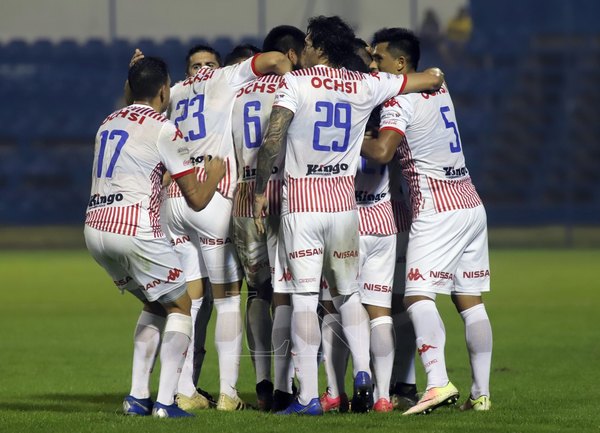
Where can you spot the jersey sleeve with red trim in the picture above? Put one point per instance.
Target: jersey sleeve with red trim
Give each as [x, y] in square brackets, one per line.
[385, 86]
[396, 114]
[287, 94]
[239, 74]
[174, 151]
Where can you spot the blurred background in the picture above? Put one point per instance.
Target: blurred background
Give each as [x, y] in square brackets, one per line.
[521, 72]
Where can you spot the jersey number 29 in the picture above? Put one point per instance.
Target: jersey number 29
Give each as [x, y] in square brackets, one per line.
[338, 116]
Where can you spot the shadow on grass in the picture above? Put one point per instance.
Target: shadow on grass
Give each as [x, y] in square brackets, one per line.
[67, 403]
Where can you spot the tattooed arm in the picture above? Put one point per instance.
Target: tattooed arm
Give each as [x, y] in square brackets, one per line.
[267, 154]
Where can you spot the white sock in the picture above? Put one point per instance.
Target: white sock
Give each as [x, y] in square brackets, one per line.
[382, 351]
[186, 385]
[282, 342]
[335, 353]
[228, 341]
[478, 333]
[355, 320]
[431, 339]
[306, 338]
[146, 341]
[404, 356]
[176, 340]
[258, 331]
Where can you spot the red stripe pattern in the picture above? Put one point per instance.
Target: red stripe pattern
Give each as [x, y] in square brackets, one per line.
[343, 74]
[156, 199]
[409, 171]
[315, 194]
[377, 220]
[223, 186]
[244, 198]
[402, 216]
[453, 194]
[122, 220]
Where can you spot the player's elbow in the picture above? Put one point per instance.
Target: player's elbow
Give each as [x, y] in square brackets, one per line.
[275, 63]
[383, 155]
[436, 78]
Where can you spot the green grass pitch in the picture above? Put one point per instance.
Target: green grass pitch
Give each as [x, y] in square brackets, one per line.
[65, 353]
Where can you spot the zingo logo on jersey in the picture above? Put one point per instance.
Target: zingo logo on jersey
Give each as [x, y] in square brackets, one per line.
[250, 173]
[325, 170]
[452, 172]
[199, 159]
[99, 200]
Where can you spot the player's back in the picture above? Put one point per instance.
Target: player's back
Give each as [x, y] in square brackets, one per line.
[432, 156]
[331, 109]
[127, 171]
[201, 108]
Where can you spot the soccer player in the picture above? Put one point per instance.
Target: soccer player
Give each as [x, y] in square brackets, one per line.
[200, 56]
[201, 107]
[447, 248]
[250, 118]
[319, 222]
[134, 148]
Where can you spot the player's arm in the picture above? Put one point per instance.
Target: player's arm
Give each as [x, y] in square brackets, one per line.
[271, 62]
[279, 123]
[198, 195]
[429, 80]
[382, 148]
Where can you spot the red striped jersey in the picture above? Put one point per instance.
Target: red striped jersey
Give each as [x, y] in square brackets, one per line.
[331, 108]
[134, 146]
[372, 193]
[250, 117]
[430, 154]
[201, 107]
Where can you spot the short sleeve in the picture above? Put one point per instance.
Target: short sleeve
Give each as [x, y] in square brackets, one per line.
[174, 151]
[396, 114]
[287, 95]
[385, 86]
[241, 73]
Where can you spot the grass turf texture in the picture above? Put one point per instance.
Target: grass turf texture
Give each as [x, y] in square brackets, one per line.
[66, 342]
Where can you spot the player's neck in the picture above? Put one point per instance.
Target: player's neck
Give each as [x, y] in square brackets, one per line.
[153, 104]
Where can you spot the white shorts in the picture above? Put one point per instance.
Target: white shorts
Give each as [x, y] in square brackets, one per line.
[400, 268]
[203, 240]
[448, 253]
[317, 244]
[376, 269]
[148, 268]
[256, 252]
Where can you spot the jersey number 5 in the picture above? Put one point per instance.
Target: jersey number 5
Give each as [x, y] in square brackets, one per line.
[454, 147]
[339, 116]
[105, 136]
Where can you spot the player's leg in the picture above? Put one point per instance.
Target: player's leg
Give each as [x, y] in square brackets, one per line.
[335, 354]
[186, 244]
[472, 278]
[376, 276]
[403, 390]
[252, 252]
[341, 270]
[301, 239]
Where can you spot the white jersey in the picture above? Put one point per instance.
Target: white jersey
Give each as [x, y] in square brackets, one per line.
[402, 214]
[372, 192]
[250, 117]
[201, 108]
[431, 155]
[134, 147]
[331, 109]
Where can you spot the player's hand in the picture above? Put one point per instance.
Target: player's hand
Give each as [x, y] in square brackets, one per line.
[436, 72]
[261, 206]
[137, 56]
[214, 168]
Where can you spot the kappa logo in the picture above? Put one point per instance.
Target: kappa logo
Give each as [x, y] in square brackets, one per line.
[391, 103]
[287, 275]
[424, 348]
[414, 275]
[178, 134]
[174, 274]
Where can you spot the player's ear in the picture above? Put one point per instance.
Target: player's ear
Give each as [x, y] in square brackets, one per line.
[293, 56]
[401, 63]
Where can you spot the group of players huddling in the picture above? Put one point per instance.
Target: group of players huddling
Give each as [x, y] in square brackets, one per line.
[286, 168]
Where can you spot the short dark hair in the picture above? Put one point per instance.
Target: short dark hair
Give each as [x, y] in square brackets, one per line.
[333, 36]
[239, 52]
[355, 63]
[283, 39]
[146, 77]
[401, 42]
[197, 48]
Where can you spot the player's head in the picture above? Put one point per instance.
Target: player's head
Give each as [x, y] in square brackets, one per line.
[355, 63]
[328, 39]
[240, 53]
[396, 50]
[199, 56]
[288, 40]
[149, 82]
[363, 50]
